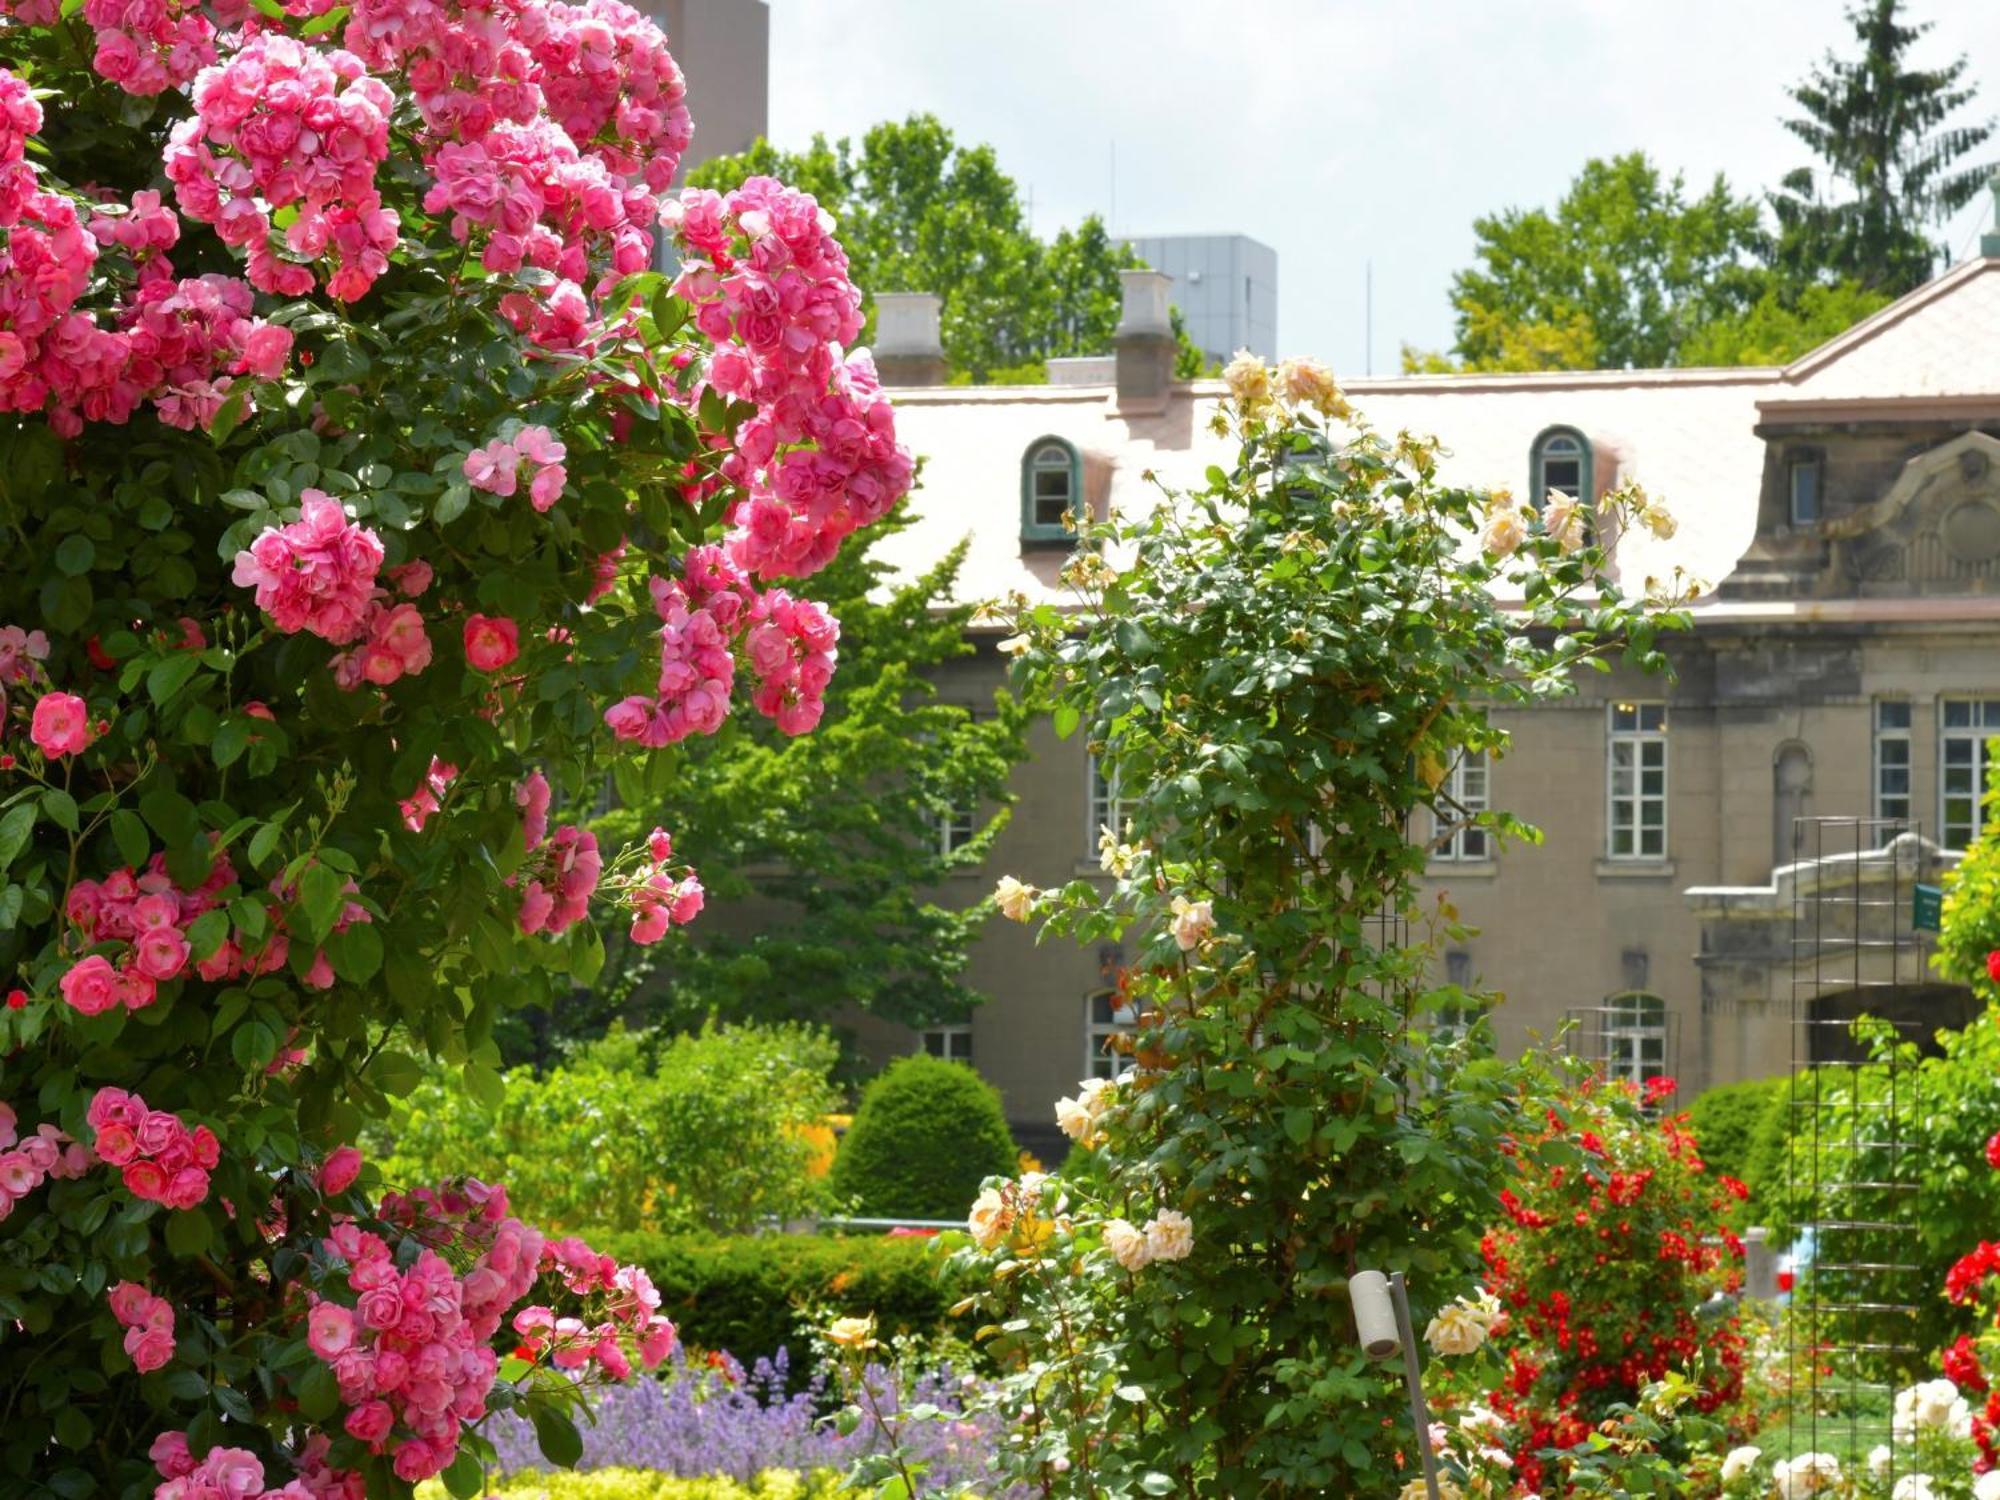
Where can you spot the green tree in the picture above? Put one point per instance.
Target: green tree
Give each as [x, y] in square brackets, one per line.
[919, 212]
[822, 853]
[1892, 165]
[928, 1132]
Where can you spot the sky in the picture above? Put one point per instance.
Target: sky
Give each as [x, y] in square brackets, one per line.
[1340, 132]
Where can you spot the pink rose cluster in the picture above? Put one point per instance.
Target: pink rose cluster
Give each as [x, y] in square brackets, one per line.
[428, 797]
[148, 916]
[628, 1305]
[148, 1322]
[769, 286]
[412, 1353]
[563, 868]
[702, 614]
[497, 467]
[315, 574]
[238, 1474]
[27, 1162]
[176, 343]
[162, 1160]
[658, 897]
[394, 643]
[286, 125]
[792, 652]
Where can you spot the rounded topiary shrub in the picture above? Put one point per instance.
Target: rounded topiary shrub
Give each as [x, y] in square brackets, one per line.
[927, 1134]
[1731, 1119]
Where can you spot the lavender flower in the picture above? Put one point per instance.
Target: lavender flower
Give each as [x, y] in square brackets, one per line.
[721, 1419]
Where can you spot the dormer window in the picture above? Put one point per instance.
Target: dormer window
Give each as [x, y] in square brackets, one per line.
[1802, 474]
[1051, 492]
[1559, 464]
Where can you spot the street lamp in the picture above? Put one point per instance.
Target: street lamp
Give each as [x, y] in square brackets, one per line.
[1382, 1324]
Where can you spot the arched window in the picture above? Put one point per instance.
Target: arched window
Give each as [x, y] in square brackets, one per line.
[1635, 1036]
[1051, 490]
[1560, 463]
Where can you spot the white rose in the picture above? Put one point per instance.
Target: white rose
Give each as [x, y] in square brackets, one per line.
[1170, 1236]
[1480, 1422]
[1987, 1486]
[1564, 521]
[1017, 901]
[1913, 1487]
[989, 1219]
[1879, 1459]
[1740, 1461]
[1807, 1474]
[1127, 1244]
[1659, 520]
[1075, 1120]
[1193, 921]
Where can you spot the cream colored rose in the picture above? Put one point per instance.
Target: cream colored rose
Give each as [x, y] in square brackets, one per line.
[1738, 1462]
[1456, 1330]
[1074, 1120]
[1307, 382]
[1249, 381]
[1807, 1474]
[1016, 900]
[1170, 1236]
[1659, 520]
[1504, 531]
[1193, 922]
[989, 1220]
[852, 1333]
[1113, 857]
[1913, 1487]
[1987, 1486]
[1128, 1245]
[1564, 521]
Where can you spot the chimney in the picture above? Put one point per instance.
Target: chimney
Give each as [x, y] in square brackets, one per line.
[909, 349]
[1989, 242]
[1145, 340]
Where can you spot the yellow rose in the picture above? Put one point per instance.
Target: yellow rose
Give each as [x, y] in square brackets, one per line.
[853, 1333]
[1017, 901]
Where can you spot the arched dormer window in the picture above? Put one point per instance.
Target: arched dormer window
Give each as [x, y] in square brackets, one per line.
[1560, 461]
[1051, 489]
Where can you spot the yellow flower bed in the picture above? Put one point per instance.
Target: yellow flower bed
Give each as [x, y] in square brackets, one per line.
[649, 1484]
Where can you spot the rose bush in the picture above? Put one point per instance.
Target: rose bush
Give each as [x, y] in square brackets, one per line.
[1281, 666]
[368, 504]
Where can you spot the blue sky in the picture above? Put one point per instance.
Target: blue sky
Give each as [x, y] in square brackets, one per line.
[1338, 131]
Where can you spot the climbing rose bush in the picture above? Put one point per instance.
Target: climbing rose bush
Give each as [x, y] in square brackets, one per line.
[370, 504]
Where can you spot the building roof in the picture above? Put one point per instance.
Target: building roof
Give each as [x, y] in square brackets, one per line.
[1688, 435]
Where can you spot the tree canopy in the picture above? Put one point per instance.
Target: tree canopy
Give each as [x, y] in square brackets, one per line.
[919, 212]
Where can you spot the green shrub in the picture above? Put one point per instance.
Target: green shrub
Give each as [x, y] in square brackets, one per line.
[649, 1484]
[927, 1134]
[746, 1295]
[1729, 1121]
[706, 1132]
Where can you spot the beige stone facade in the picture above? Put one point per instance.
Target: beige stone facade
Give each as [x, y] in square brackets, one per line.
[1845, 661]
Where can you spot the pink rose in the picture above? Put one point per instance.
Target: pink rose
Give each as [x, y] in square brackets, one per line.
[330, 1330]
[170, 1455]
[143, 1179]
[61, 725]
[338, 1171]
[370, 1422]
[91, 985]
[149, 1348]
[161, 953]
[491, 642]
[116, 1145]
[236, 1473]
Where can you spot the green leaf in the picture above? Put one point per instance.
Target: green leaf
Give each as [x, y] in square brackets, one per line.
[171, 675]
[188, 1233]
[322, 895]
[395, 1073]
[356, 954]
[61, 808]
[557, 1437]
[264, 840]
[231, 414]
[232, 738]
[318, 1393]
[485, 1085]
[16, 825]
[1066, 717]
[72, 1427]
[206, 932]
[11, 898]
[128, 832]
[173, 817]
[466, 1478]
[75, 554]
[253, 1045]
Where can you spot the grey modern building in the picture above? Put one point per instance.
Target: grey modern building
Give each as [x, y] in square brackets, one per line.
[1226, 286]
[724, 49]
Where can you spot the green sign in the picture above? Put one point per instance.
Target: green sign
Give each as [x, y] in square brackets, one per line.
[1927, 912]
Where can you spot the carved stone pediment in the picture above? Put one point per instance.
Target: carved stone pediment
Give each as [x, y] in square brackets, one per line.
[1937, 530]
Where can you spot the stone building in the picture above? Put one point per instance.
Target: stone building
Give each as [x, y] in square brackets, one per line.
[1845, 510]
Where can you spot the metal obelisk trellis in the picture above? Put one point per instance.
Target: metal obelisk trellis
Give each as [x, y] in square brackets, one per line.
[1855, 1173]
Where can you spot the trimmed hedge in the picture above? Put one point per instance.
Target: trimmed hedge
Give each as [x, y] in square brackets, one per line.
[1732, 1121]
[927, 1134]
[649, 1484]
[746, 1295]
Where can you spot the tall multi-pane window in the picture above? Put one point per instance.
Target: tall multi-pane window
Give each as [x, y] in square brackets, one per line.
[1635, 1037]
[1892, 759]
[1802, 472]
[1107, 806]
[952, 1043]
[1636, 784]
[955, 824]
[1108, 1015]
[1465, 787]
[1965, 725]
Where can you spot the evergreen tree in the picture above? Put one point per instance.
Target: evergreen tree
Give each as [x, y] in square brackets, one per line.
[1893, 167]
